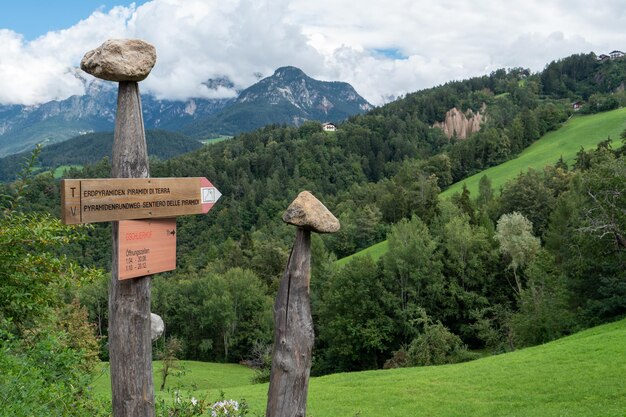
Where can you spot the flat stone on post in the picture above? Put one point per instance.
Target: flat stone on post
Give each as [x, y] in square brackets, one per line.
[120, 60]
[308, 212]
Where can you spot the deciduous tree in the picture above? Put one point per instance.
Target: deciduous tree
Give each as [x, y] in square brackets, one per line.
[514, 234]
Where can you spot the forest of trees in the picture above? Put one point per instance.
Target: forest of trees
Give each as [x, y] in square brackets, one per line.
[541, 258]
[90, 147]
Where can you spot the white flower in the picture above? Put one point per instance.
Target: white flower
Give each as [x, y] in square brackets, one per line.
[225, 408]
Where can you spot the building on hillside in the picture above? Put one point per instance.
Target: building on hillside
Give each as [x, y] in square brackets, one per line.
[577, 105]
[329, 127]
[603, 57]
[616, 54]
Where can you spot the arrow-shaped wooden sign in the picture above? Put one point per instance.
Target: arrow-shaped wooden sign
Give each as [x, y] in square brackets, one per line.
[113, 199]
[146, 247]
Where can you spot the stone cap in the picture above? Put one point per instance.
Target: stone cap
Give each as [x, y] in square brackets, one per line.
[308, 212]
[120, 60]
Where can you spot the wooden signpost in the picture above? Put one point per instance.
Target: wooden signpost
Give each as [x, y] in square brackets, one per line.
[153, 242]
[142, 244]
[112, 199]
[146, 247]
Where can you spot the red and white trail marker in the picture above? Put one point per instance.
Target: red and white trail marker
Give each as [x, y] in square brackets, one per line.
[208, 195]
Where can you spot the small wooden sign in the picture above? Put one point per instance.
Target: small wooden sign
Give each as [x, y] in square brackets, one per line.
[113, 199]
[146, 247]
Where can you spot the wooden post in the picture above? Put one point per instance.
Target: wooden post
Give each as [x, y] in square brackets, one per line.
[293, 335]
[130, 152]
[130, 344]
[127, 61]
[293, 324]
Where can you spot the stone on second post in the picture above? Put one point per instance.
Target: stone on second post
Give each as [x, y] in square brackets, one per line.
[120, 60]
[308, 212]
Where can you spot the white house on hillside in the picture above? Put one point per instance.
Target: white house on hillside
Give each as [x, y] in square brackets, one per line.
[329, 127]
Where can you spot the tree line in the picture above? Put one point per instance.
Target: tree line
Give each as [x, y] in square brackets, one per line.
[451, 278]
[480, 274]
[90, 147]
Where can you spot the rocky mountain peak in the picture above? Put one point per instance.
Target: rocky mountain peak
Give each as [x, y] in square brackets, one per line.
[290, 84]
[220, 81]
[288, 96]
[289, 72]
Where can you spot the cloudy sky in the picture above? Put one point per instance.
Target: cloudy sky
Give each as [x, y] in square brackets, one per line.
[383, 48]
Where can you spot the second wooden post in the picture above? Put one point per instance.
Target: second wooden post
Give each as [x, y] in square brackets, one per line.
[293, 324]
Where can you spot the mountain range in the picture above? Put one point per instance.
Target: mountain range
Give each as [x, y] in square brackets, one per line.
[289, 96]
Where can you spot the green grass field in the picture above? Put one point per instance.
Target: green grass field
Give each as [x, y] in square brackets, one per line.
[196, 376]
[585, 131]
[215, 140]
[578, 376]
[59, 171]
[374, 252]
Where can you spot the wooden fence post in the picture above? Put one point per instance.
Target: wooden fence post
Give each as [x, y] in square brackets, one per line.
[130, 346]
[293, 324]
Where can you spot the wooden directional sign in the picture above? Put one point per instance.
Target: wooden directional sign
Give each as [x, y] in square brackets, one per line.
[146, 247]
[113, 199]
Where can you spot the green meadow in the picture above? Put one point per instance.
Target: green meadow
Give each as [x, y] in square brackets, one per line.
[215, 139]
[374, 251]
[59, 171]
[577, 376]
[577, 132]
[190, 375]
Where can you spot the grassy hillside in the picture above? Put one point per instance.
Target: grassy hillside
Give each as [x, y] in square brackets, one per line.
[60, 170]
[577, 376]
[579, 131]
[374, 251]
[585, 131]
[203, 376]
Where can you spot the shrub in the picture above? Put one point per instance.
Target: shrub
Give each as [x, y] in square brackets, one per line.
[43, 377]
[434, 345]
[191, 406]
[400, 359]
[47, 349]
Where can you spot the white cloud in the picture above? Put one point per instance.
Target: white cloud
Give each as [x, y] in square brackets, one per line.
[437, 41]
[206, 39]
[41, 70]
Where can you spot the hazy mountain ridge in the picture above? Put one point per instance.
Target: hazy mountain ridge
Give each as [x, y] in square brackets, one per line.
[305, 93]
[22, 127]
[92, 147]
[289, 96]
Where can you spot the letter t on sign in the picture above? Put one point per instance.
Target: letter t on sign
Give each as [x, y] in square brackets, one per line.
[70, 202]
